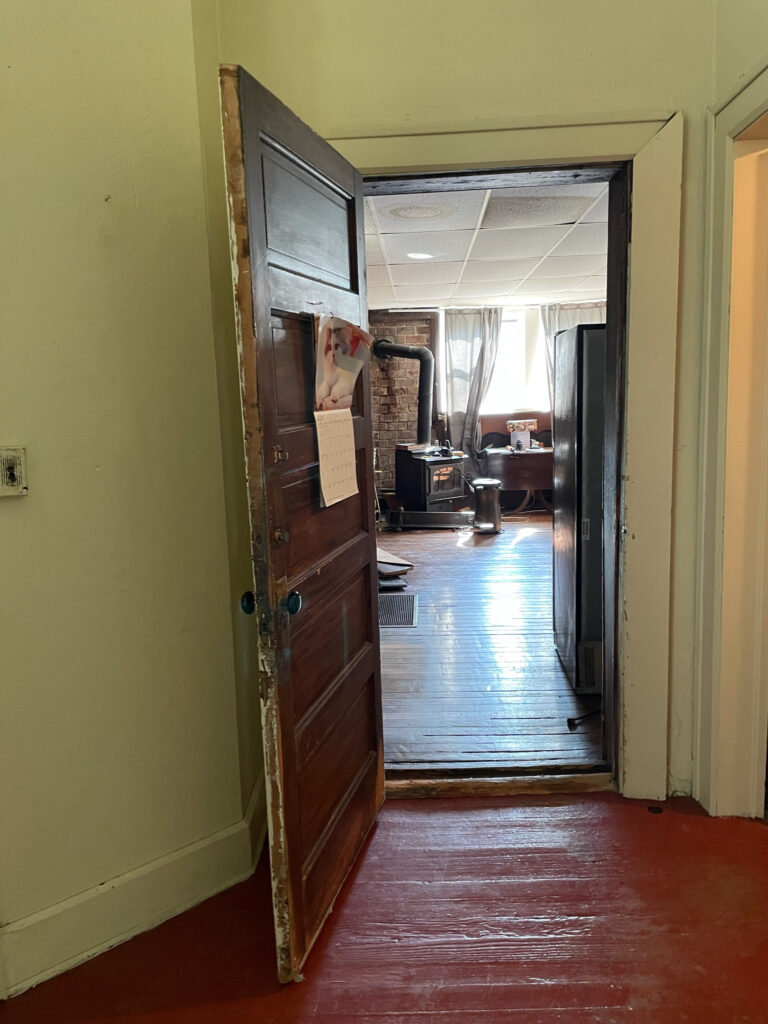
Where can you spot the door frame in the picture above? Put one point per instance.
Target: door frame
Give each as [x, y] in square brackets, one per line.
[617, 175]
[732, 709]
[645, 533]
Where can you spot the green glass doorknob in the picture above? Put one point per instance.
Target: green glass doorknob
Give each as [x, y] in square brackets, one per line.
[293, 602]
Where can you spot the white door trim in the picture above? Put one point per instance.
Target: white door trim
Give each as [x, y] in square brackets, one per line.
[732, 705]
[642, 714]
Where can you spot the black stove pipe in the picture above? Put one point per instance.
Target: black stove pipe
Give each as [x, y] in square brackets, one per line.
[386, 349]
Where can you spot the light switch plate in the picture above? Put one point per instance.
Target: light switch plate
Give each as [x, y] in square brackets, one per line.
[13, 472]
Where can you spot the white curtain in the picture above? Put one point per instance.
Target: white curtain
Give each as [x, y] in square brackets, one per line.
[559, 317]
[470, 345]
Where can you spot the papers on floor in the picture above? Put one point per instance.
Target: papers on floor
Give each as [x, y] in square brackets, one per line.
[336, 455]
[390, 565]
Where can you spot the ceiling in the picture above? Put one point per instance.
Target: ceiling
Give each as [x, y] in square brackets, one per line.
[526, 245]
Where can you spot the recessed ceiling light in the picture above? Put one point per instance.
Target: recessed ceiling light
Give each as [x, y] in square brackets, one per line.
[418, 212]
[419, 255]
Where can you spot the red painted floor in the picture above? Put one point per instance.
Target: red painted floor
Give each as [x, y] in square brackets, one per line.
[523, 911]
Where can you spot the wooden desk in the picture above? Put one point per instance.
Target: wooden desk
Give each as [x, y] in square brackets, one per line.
[530, 472]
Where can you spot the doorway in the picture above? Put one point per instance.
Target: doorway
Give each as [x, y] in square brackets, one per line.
[474, 685]
[744, 705]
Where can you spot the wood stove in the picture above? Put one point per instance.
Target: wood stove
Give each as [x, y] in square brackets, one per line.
[429, 482]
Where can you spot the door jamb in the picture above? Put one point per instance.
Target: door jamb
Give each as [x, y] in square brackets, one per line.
[730, 763]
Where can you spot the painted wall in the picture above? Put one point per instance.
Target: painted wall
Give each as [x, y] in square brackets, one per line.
[118, 724]
[351, 68]
[741, 45]
[245, 627]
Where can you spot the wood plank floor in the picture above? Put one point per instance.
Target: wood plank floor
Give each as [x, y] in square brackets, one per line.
[547, 910]
[477, 683]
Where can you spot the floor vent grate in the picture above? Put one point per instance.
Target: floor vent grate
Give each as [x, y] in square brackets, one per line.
[398, 609]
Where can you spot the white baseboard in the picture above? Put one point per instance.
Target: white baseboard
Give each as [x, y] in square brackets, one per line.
[47, 943]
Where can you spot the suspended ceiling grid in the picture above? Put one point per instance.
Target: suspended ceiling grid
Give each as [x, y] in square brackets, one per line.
[525, 245]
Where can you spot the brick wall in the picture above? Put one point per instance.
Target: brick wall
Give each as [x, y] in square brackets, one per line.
[395, 385]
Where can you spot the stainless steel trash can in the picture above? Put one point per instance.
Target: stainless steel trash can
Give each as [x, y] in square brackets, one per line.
[487, 510]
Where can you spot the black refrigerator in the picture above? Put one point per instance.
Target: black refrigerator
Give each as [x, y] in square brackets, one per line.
[577, 500]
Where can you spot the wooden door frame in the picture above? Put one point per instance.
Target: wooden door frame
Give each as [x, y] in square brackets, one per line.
[731, 708]
[617, 175]
[642, 659]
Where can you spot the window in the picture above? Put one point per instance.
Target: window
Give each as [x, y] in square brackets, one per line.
[519, 379]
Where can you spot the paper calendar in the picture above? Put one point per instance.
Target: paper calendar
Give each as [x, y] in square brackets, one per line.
[336, 455]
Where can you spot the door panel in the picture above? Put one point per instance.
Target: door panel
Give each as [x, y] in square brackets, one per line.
[319, 657]
[347, 724]
[297, 217]
[307, 222]
[328, 865]
[314, 531]
[294, 368]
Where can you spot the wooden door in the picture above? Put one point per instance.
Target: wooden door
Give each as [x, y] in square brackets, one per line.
[297, 224]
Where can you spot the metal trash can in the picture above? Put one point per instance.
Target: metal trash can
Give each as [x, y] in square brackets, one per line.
[487, 510]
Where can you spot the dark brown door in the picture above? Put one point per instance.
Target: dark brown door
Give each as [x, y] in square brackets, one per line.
[296, 213]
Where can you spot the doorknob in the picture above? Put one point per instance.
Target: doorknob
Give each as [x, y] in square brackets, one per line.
[293, 602]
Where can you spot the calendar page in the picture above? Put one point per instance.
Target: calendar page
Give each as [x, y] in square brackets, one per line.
[342, 349]
[336, 454]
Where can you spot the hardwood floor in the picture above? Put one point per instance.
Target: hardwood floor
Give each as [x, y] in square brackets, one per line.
[547, 910]
[477, 683]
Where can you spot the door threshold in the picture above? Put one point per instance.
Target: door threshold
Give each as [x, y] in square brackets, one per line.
[400, 785]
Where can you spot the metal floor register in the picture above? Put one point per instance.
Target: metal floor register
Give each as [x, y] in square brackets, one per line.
[398, 609]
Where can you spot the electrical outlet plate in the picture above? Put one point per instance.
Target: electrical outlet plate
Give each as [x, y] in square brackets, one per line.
[13, 472]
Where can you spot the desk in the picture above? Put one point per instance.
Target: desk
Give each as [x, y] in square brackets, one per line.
[530, 471]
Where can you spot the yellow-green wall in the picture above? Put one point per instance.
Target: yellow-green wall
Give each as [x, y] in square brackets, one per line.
[351, 67]
[119, 705]
[741, 45]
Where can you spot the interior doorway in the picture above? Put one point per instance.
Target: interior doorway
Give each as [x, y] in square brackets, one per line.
[474, 686]
[745, 494]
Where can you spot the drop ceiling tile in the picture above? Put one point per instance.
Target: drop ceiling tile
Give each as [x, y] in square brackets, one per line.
[539, 298]
[377, 276]
[549, 285]
[516, 243]
[380, 298]
[374, 257]
[429, 211]
[567, 266]
[473, 301]
[422, 293]
[522, 211]
[426, 272]
[590, 188]
[584, 240]
[599, 212]
[593, 285]
[497, 270]
[489, 289]
[443, 246]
